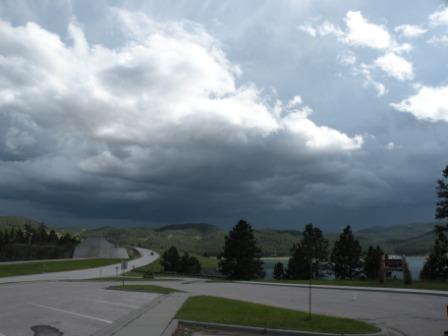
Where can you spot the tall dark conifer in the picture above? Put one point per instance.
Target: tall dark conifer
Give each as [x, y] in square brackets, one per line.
[346, 255]
[241, 256]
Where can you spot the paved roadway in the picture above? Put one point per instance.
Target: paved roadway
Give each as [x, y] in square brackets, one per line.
[104, 271]
[401, 314]
[74, 308]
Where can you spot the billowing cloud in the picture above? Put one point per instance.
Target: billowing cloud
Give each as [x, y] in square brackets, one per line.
[395, 66]
[162, 112]
[358, 31]
[429, 103]
[361, 32]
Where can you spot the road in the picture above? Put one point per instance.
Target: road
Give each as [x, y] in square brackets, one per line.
[401, 314]
[147, 257]
[74, 308]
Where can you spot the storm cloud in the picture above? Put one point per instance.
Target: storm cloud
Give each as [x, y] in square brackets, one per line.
[128, 113]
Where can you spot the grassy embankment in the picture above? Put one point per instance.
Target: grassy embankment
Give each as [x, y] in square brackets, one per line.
[226, 311]
[430, 285]
[29, 268]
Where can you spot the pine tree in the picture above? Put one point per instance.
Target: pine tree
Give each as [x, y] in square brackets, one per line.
[279, 271]
[171, 260]
[372, 262]
[436, 265]
[346, 255]
[241, 256]
[312, 251]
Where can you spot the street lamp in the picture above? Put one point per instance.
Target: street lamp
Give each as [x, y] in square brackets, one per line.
[312, 261]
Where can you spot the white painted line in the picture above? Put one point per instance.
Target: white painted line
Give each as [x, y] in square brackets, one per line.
[71, 313]
[116, 304]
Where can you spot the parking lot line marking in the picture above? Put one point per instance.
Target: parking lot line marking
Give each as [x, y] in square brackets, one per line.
[70, 312]
[116, 304]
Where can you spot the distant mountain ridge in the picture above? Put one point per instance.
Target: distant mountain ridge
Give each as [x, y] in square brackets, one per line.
[9, 222]
[204, 238]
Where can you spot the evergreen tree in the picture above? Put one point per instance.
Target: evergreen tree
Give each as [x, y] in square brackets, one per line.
[346, 255]
[171, 260]
[241, 256]
[310, 252]
[279, 271]
[442, 194]
[436, 265]
[372, 262]
[189, 264]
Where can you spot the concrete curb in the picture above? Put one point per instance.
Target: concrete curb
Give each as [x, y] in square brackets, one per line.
[265, 331]
[171, 328]
[129, 318]
[352, 288]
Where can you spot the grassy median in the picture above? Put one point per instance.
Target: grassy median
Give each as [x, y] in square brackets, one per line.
[219, 310]
[38, 267]
[145, 288]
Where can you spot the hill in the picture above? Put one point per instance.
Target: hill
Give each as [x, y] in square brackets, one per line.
[16, 222]
[203, 238]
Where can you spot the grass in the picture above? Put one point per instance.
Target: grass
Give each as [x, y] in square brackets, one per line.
[430, 285]
[53, 266]
[145, 288]
[219, 310]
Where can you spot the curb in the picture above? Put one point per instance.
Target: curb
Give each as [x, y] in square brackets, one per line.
[352, 288]
[265, 331]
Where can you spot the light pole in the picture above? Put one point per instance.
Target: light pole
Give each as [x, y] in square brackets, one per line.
[312, 260]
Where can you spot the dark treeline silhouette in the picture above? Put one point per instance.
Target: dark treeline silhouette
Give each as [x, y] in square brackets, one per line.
[436, 265]
[240, 258]
[32, 242]
[172, 261]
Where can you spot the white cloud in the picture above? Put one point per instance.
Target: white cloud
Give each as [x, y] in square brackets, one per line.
[395, 66]
[439, 18]
[169, 95]
[363, 33]
[410, 31]
[429, 103]
[365, 71]
[439, 40]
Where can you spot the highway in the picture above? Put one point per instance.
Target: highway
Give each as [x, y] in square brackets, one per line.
[146, 257]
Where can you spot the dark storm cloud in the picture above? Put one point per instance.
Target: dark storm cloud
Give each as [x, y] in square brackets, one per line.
[137, 112]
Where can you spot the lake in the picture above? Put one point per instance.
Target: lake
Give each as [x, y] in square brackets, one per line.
[415, 265]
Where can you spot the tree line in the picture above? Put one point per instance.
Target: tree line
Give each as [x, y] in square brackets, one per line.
[311, 256]
[172, 261]
[32, 242]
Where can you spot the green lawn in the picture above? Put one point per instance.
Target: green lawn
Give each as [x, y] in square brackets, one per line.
[226, 311]
[145, 288]
[129, 278]
[53, 266]
[376, 284]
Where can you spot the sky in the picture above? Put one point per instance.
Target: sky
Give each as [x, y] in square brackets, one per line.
[278, 112]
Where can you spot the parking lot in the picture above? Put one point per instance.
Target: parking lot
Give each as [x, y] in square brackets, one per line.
[74, 308]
